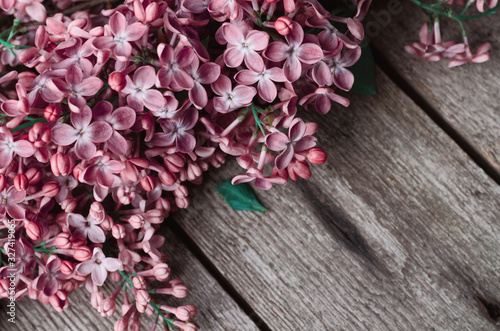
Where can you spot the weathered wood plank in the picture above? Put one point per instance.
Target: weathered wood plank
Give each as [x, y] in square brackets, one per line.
[217, 310]
[467, 96]
[398, 231]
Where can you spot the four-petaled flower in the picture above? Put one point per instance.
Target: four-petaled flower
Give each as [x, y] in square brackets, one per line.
[172, 73]
[297, 141]
[231, 99]
[75, 87]
[178, 132]
[244, 47]
[9, 147]
[265, 86]
[85, 133]
[140, 92]
[47, 282]
[101, 169]
[122, 118]
[10, 198]
[87, 228]
[98, 266]
[294, 53]
[123, 34]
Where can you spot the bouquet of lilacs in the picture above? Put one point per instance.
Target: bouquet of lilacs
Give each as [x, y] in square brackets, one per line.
[108, 112]
[431, 47]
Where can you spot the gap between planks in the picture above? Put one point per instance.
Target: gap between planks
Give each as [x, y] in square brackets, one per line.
[196, 250]
[405, 86]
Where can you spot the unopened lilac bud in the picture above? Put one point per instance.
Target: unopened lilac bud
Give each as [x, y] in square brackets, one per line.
[155, 216]
[52, 113]
[179, 291]
[139, 282]
[33, 230]
[167, 178]
[34, 175]
[107, 307]
[283, 25]
[118, 231]
[67, 267]
[161, 272]
[51, 189]
[316, 155]
[181, 202]
[117, 81]
[115, 276]
[163, 204]
[148, 183]
[82, 253]
[21, 182]
[136, 221]
[69, 205]
[97, 211]
[63, 240]
[3, 182]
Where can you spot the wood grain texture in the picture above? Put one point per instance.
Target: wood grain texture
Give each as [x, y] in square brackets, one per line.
[216, 309]
[466, 96]
[398, 231]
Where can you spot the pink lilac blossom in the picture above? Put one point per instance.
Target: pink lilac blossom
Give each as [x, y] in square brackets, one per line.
[109, 114]
[430, 47]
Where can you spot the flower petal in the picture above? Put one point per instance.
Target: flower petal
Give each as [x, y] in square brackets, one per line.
[122, 118]
[198, 95]
[343, 78]
[24, 148]
[309, 53]
[277, 141]
[145, 77]
[296, 35]
[233, 56]
[304, 144]
[86, 267]
[247, 77]
[96, 234]
[232, 34]
[99, 274]
[185, 143]
[98, 132]
[222, 85]
[284, 159]
[154, 100]
[267, 90]
[292, 68]
[277, 51]
[85, 148]
[208, 73]
[112, 264]
[90, 86]
[258, 40]
[254, 61]
[64, 134]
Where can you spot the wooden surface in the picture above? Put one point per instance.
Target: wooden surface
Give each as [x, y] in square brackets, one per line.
[399, 230]
[466, 96]
[217, 310]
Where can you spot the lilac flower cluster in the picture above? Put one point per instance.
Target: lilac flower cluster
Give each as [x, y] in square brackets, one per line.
[431, 47]
[105, 117]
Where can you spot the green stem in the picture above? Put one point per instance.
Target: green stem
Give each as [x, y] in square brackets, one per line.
[29, 124]
[448, 13]
[155, 306]
[257, 120]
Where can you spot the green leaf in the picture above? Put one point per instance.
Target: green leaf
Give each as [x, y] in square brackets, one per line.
[239, 197]
[364, 73]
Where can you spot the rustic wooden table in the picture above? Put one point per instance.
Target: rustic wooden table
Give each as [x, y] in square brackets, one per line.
[399, 230]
